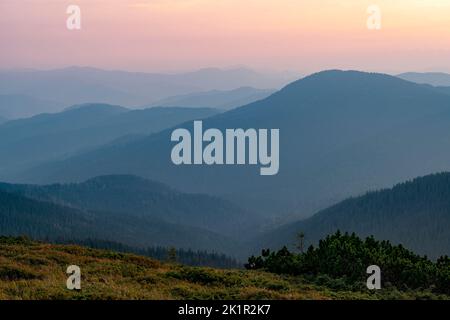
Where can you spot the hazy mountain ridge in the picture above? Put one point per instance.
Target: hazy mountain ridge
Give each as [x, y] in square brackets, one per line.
[335, 141]
[75, 85]
[14, 106]
[441, 79]
[47, 137]
[217, 98]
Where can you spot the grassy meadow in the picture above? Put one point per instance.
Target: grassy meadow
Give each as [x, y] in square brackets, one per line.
[35, 270]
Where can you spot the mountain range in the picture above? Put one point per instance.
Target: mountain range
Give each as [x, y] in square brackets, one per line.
[79, 128]
[341, 133]
[76, 85]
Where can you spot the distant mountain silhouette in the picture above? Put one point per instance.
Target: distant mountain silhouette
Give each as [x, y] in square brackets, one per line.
[217, 99]
[432, 78]
[341, 133]
[45, 220]
[415, 213]
[14, 106]
[136, 197]
[76, 85]
[52, 136]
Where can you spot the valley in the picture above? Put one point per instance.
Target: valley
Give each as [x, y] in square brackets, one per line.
[99, 172]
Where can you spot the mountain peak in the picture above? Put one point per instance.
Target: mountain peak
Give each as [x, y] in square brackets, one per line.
[339, 77]
[345, 85]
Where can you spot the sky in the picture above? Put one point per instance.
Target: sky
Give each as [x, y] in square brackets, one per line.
[182, 35]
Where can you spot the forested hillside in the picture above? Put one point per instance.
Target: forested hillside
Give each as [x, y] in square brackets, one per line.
[168, 254]
[43, 220]
[22, 216]
[132, 196]
[415, 214]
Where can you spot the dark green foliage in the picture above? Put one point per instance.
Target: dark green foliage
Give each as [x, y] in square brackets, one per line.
[183, 256]
[345, 257]
[22, 240]
[443, 275]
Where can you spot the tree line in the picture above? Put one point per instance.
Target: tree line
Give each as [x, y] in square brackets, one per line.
[167, 254]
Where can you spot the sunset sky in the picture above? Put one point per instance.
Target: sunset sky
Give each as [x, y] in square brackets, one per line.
[179, 35]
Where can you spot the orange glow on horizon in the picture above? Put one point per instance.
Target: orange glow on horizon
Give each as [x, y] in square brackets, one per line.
[156, 35]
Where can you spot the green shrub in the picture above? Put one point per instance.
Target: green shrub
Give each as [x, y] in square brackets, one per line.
[340, 261]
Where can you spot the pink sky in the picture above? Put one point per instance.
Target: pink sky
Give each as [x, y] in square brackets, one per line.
[174, 35]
